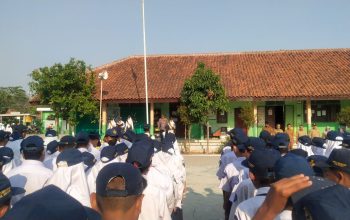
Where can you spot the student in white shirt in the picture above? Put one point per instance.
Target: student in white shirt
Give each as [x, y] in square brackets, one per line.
[66, 142]
[119, 192]
[83, 140]
[261, 163]
[7, 153]
[31, 174]
[70, 176]
[14, 143]
[154, 204]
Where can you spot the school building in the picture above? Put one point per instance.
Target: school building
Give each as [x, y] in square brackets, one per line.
[296, 87]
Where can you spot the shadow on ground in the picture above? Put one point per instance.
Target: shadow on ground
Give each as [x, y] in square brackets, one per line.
[203, 206]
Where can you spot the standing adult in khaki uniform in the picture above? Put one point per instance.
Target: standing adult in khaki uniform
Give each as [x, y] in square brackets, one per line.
[301, 132]
[314, 131]
[290, 132]
[268, 128]
[278, 129]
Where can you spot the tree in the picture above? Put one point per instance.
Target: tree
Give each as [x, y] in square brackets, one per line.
[344, 117]
[183, 112]
[247, 116]
[203, 94]
[67, 88]
[14, 98]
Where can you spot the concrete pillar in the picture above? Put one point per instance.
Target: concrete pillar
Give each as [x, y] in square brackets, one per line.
[308, 114]
[151, 118]
[104, 117]
[255, 111]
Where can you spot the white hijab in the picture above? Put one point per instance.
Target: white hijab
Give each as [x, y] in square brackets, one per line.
[305, 148]
[72, 180]
[331, 145]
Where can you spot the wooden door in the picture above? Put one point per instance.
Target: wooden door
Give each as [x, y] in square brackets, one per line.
[238, 121]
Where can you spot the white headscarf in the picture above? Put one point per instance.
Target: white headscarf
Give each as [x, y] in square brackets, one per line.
[72, 180]
[331, 145]
[305, 148]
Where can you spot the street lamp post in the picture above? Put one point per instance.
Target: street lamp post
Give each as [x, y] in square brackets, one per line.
[102, 76]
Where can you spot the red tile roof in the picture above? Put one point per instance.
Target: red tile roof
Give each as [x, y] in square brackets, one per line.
[274, 75]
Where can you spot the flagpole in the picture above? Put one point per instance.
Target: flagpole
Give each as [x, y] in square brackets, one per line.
[145, 56]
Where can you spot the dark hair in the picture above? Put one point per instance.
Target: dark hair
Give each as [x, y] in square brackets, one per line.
[288, 124]
[32, 155]
[265, 180]
[84, 145]
[112, 142]
[66, 146]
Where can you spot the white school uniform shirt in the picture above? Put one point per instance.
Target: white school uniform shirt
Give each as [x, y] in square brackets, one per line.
[9, 166]
[234, 174]
[176, 170]
[244, 191]
[72, 180]
[227, 158]
[331, 145]
[305, 148]
[91, 175]
[154, 206]
[318, 150]
[50, 163]
[16, 148]
[30, 175]
[158, 177]
[92, 150]
[247, 209]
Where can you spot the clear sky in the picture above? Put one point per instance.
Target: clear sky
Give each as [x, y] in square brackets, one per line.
[36, 33]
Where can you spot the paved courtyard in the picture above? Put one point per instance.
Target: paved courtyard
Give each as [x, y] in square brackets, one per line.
[204, 199]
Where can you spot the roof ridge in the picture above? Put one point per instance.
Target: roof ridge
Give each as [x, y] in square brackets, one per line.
[221, 53]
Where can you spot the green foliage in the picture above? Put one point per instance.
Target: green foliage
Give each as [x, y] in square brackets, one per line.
[344, 116]
[67, 88]
[183, 112]
[13, 98]
[203, 94]
[247, 115]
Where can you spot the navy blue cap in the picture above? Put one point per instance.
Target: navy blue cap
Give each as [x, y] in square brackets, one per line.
[6, 191]
[305, 140]
[329, 203]
[254, 143]
[140, 154]
[261, 162]
[82, 138]
[318, 163]
[69, 157]
[170, 137]
[129, 135]
[6, 155]
[50, 133]
[122, 149]
[157, 145]
[291, 165]
[334, 136]
[265, 135]
[67, 140]
[20, 128]
[108, 153]
[32, 144]
[299, 152]
[318, 142]
[94, 135]
[238, 136]
[15, 136]
[51, 147]
[283, 136]
[134, 182]
[166, 146]
[340, 159]
[111, 133]
[88, 159]
[4, 135]
[51, 203]
[346, 142]
[279, 143]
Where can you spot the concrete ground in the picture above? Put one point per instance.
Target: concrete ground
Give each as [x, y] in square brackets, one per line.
[204, 199]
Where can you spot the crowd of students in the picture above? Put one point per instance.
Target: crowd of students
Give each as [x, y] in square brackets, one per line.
[264, 178]
[125, 176]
